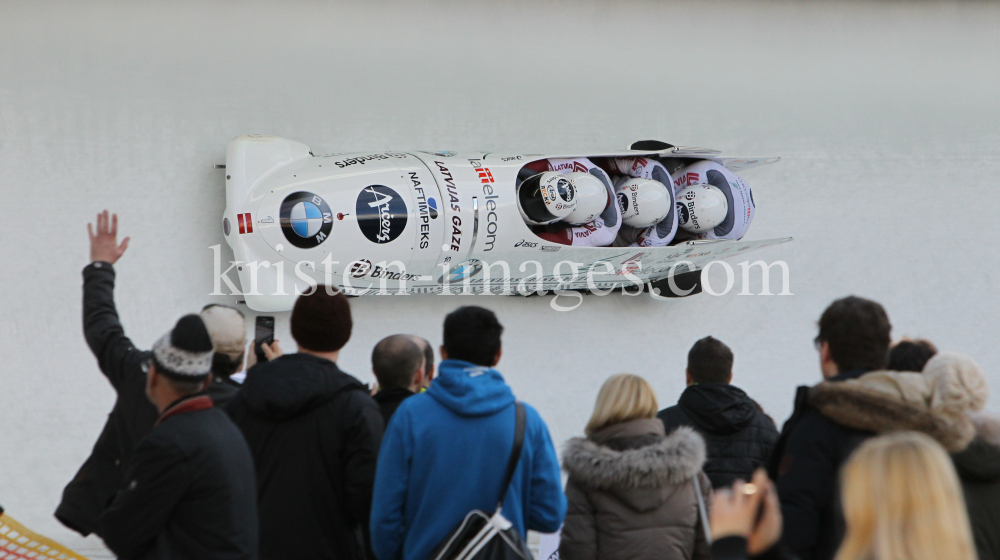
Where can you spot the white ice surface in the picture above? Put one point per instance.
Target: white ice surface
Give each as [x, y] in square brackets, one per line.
[885, 115]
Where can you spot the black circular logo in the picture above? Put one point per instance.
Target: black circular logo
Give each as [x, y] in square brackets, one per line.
[622, 202]
[566, 190]
[306, 219]
[381, 213]
[682, 213]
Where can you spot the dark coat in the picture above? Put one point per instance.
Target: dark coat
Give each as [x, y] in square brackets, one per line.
[388, 401]
[189, 492]
[973, 440]
[133, 415]
[805, 465]
[978, 469]
[314, 434]
[738, 436]
[222, 390]
[632, 495]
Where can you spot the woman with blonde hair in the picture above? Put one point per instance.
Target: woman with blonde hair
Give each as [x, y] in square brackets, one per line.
[634, 492]
[902, 501]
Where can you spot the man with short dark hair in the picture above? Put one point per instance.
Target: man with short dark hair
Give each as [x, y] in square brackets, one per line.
[314, 433]
[398, 365]
[446, 451]
[738, 435]
[190, 485]
[910, 355]
[854, 336]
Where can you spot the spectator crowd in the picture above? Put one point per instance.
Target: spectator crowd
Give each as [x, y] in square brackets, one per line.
[887, 457]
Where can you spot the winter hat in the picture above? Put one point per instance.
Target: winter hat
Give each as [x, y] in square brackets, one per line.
[957, 381]
[226, 328]
[185, 353]
[321, 321]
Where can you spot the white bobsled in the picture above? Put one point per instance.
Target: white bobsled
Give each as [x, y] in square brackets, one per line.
[423, 222]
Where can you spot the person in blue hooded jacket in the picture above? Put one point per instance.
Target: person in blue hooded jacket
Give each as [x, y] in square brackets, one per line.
[445, 451]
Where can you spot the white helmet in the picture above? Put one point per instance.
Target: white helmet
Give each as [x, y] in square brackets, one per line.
[591, 198]
[643, 202]
[545, 198]
[700, 208]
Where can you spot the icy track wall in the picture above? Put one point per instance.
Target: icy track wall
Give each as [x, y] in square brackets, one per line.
[885, 116]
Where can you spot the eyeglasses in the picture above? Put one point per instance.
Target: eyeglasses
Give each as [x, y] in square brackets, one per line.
[818, 343]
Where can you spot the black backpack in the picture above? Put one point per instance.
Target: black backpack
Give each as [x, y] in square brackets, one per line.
[481, 536]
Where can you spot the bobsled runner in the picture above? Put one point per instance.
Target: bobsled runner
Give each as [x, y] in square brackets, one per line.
[428, 223]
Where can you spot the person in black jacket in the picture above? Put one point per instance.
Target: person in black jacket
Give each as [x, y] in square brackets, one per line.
[398, 365]
[189, 490]
[121, 362]
[738, 435]
[854, 336]
[314, 434]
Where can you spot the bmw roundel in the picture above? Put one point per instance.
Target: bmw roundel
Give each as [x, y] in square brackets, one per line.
[306, 219]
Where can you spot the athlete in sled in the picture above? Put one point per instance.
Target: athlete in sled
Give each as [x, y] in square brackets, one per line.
[448, 222]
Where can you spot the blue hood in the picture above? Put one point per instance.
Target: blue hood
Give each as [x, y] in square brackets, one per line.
[470, 390]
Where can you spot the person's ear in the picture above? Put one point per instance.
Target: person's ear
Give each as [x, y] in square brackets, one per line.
[418, 378]
[152, 379]
[206, 383]
[444, 353]
[730, 378]
[687, 377]
[496, 359]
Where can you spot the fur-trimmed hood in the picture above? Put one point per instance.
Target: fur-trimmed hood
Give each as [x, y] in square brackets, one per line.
[666, 460]
[936, 402]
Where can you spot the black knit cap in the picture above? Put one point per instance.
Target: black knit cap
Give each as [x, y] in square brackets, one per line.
[185, 353]
[321, 321]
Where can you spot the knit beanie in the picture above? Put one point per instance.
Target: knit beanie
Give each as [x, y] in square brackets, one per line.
[321, 321]
[958, 383]
[227, 329]
[185, 353]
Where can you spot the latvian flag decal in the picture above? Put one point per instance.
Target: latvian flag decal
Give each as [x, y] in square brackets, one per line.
[246, 225]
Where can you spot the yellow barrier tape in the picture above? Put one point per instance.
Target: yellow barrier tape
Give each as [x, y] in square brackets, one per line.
[17, 542]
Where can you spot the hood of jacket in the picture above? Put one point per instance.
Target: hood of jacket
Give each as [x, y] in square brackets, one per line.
[293, 384]
[718, 408]
[980, 461]
[470, 390]
[635, 461]
[937, 404]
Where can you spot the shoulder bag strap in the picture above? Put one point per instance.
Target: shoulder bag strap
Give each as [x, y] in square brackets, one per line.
[706, 528]
[515, 453]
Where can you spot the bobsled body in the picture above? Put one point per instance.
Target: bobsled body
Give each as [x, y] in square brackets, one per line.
[419, 222]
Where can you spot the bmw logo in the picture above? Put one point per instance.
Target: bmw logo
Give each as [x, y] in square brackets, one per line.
[306, 219]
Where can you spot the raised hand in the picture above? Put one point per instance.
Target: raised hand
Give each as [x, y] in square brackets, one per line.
[104, 244]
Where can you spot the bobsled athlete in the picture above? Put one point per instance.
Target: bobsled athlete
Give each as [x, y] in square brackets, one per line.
[596, 219]
[712, 202]
[646, 195]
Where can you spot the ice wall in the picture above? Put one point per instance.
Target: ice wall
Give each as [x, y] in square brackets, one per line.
[885, 115]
